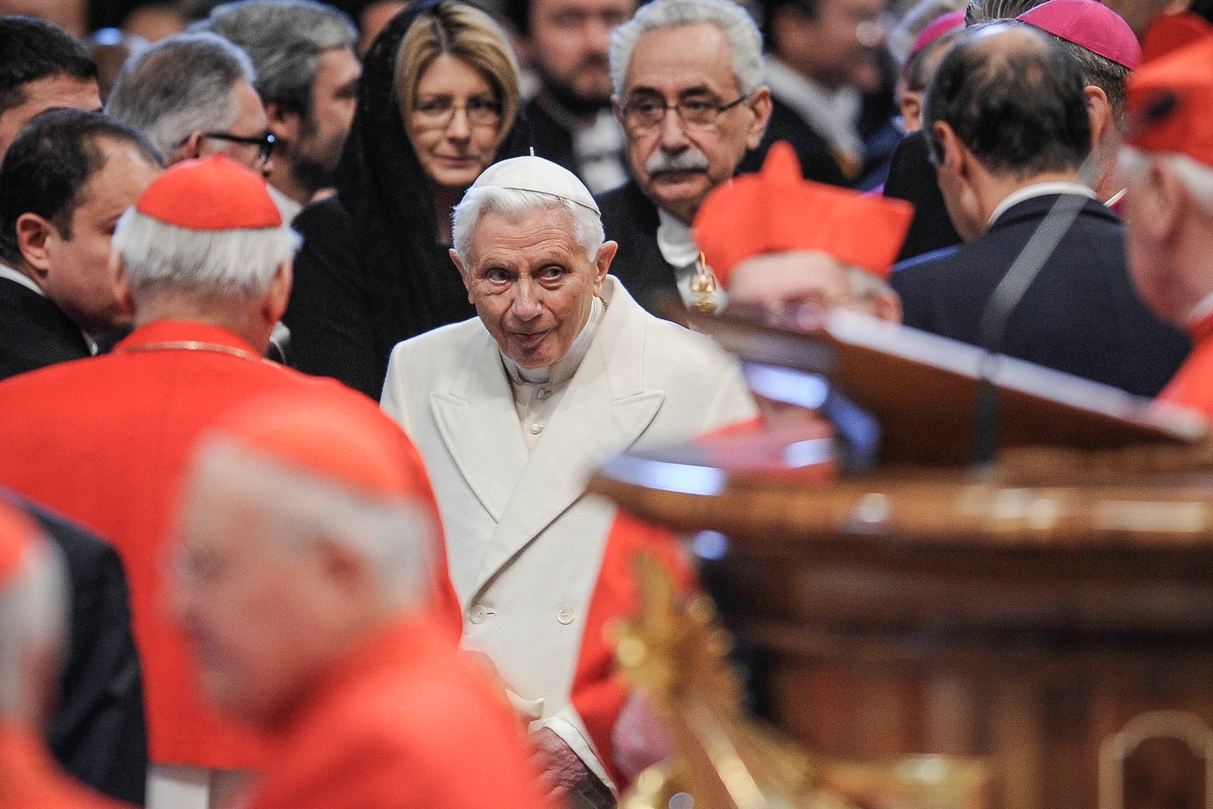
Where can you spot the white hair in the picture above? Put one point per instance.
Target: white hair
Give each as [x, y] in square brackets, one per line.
[514, 203]
[733, 20]
[393, 537]
[1195, 176]
[33, 622]
[156, 256]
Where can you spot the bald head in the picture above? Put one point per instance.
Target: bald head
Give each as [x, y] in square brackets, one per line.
[1033, 125]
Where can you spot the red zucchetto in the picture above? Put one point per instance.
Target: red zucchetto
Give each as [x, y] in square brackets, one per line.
[212, 193]
[1169, 101]
[776, 211]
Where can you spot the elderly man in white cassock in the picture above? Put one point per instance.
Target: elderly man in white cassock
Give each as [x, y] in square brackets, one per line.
[513, 411]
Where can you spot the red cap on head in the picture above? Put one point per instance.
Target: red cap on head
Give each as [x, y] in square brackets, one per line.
[1089, 24]
[1169, 101]
[936, 28]
[776, 210]
[333, 434]
[1170, 32]
[213, 193]
[18, 534]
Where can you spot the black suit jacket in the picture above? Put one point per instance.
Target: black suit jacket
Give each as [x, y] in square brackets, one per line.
[546, 136]
[34, 332]
[97, 732]
[912, 178]
[1080, 315]
[816, 160]
[630, 218]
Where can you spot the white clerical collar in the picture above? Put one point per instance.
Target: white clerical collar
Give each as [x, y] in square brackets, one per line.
[23, 280]
[563, 369]
[675, 241]
[1039, 190]
[678, 248]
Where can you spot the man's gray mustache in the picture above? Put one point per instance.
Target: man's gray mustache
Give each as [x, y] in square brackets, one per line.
[683, 161]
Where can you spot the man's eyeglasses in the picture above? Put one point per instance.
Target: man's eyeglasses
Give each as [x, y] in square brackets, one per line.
[437, 113]
[647, 112]
[264, 143]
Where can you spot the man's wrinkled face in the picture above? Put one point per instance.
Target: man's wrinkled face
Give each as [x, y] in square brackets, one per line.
[50, 93]
[250, 123]
[797, 278]
[1149, 261]
[532, 283]
[834, 45]
[244, 599]
[676, 163]
[324, 130]
[570, 40]
[77, 275]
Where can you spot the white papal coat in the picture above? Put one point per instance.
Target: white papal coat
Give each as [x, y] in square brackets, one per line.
[525, 545]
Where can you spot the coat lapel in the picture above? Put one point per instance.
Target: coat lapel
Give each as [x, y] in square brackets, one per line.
[604, 410]
[479, 425]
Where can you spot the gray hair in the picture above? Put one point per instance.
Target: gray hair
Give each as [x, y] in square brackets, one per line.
[156, 256]
[731, 18]
[33, 621]
[180, 85]
[283, 38]
[986, 10]
[393, 537]
[515, 204]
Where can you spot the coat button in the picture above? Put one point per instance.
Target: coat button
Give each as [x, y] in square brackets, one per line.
[543, 393]
[565, 615]
[478, 614]
[536, 429]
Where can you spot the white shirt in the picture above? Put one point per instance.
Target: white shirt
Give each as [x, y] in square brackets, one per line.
[1039, 190]
[678, 248]
[28, 283]
[538, 391]
[23, 280]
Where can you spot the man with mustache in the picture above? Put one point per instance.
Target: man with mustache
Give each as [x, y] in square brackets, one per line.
[569, 118]
[688, 90]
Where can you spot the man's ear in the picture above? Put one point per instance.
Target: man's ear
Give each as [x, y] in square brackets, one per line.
[463, 273]
[1099, 110]
[279, 294]
[122, 284]
[191, 148]
[910, 103]
[602, 263]
[34, 235]
[1160, 201]
[283, 121]
[760, 104]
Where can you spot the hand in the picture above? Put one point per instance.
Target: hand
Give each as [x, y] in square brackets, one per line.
[562, 772]
[639, 737]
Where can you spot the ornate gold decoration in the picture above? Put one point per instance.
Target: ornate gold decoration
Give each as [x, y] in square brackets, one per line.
[703, 287]
[678, 655]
